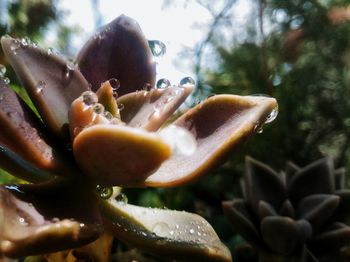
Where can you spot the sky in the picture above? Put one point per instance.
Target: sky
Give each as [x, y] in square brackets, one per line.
[175, 25]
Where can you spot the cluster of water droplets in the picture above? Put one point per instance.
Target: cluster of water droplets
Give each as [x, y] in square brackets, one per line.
[194, 231]
[3, 77]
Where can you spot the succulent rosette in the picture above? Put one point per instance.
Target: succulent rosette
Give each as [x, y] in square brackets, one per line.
[300, 214]
[79, 143]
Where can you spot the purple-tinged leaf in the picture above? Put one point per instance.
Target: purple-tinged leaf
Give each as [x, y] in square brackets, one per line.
[316, 178]
[218, 125]
[51, 82]
[24, 135]
[119, 50]
[285, 235]
[237, 213]
[263, 183]
[317, 209]
[45, 218]
[150, 109]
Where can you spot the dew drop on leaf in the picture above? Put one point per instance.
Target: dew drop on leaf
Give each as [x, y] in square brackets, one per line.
[272, 116]
[98, 108]
[157, 47]
[40, 87]
[163, 83]
[121, 198]
[104, 192]
[187, 81]
[6, 80]
[89, 98]
[161, 229]
[2, 70]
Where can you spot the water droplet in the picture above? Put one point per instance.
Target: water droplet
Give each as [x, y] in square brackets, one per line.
[258, 128]
[177, 226]
[2, 70]
[272, 116]
[163, 83]
[40, 87]
[25, 41]
[22, 221]
[191, 231]
[147, 87]
[179, 139]
[120, 107]
[157, 47]
[121, 199]
[161, 229]
[6, 80]
[71, 65]
[89, 98]
[98, 108]
[187, 81]
[108, 115]
[171, 232]
[115, 83]
[105, 192]
[50, 51]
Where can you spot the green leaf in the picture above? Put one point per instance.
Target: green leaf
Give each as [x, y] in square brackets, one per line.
[166, 233]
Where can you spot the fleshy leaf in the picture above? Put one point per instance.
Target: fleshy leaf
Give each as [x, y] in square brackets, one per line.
[14, 164]
[119, 50]
[317, 209]
[219, 124]
[316, 178]
[119, 155]
[291, 169]
[287, 209]
[238, 215]
[265, 210]
[106, 96]
[263, 183]
[150, 109]
[342, 212]
[44, 218]
[285, 235]
[339, 178]
[23, 134]
[166, 233]
[51, 82]
[331, 240]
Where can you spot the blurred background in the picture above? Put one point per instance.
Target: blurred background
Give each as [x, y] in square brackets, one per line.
[297, 51]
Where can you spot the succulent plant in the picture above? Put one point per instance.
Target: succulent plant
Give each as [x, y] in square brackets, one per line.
[300, 214]
[79, 144]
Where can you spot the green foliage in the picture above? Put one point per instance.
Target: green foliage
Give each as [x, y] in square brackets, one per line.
[308, 74]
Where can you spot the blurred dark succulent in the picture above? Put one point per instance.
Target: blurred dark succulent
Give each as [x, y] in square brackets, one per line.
[83, 144]
[301, 214]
